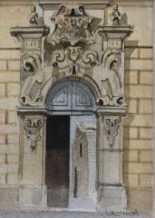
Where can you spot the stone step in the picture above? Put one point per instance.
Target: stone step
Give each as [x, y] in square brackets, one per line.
[52, 214]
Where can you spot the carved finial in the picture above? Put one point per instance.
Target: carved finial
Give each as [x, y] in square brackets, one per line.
[116, 15]
[35, 19]
[34, 16]
[118, 18]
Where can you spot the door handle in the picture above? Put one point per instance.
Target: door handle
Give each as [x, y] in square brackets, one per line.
[75, 182]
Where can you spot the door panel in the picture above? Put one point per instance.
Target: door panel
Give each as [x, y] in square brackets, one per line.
[82, 161]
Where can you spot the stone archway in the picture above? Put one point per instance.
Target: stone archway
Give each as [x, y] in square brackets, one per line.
[71, 105]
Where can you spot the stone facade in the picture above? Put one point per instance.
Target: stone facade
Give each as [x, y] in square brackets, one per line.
[137, 141]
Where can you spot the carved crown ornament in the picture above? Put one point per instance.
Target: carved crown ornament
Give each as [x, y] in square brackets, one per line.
[76, 45]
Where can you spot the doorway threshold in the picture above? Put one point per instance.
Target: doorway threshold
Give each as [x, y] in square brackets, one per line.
[56, 209]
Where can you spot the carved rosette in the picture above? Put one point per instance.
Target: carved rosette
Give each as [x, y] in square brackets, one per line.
[32, 127]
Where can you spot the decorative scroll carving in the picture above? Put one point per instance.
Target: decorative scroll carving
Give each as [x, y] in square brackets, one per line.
[70, 46]
[33, 78]
[111, 126]
[111, 80]
[118, 18]
[32, 128]
[80, 46]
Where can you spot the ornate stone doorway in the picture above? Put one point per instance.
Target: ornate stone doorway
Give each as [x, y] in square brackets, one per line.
[71, 146]
[81, 58]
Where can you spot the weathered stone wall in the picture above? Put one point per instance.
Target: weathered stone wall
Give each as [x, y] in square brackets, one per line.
[137, 126]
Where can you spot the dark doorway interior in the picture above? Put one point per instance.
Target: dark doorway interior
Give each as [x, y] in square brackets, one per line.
[57, 161]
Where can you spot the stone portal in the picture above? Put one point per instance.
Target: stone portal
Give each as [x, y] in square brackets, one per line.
[72, 67]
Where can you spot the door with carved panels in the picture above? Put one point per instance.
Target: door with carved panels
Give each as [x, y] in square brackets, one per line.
[71, 95]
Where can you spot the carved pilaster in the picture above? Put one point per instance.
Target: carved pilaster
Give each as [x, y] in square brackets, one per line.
[111, 190]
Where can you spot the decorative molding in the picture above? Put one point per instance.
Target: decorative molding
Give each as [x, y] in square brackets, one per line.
[94, 4]
[98, 4]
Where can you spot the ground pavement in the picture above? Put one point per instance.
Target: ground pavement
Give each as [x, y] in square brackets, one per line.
[52, 214]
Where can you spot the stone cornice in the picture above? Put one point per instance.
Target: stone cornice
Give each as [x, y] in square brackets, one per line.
[88, 3]
[98, 4]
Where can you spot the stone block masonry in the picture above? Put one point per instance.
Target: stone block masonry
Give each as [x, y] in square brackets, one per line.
[138, 166]
[9, 136]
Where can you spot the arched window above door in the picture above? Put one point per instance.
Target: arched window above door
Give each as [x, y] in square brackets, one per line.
[71, 95]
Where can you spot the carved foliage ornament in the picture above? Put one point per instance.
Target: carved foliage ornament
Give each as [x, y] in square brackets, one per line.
[111, 126]
[32, 128]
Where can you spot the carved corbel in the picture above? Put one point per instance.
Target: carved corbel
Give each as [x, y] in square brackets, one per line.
[32, 127]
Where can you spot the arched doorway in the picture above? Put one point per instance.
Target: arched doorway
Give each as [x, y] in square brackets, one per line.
[71, 146]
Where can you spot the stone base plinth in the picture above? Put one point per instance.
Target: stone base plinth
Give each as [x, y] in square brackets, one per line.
[112, 198]
[30, 196]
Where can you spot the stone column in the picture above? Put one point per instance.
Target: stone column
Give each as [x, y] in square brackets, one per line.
[32, 153]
